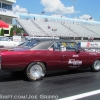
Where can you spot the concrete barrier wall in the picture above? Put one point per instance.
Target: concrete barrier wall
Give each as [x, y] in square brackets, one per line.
[90, 46]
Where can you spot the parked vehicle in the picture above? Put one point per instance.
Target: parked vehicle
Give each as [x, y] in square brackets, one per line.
[8, 42]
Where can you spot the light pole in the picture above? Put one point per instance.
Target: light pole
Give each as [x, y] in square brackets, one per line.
[74, 2]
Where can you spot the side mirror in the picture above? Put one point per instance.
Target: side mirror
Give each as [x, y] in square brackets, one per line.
[77, 50]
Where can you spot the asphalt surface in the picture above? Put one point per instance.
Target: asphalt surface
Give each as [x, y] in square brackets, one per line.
[56, 85]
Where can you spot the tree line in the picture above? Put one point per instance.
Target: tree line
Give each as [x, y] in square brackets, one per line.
[12, 30]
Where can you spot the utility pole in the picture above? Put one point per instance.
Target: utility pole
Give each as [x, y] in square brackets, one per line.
[74, 3]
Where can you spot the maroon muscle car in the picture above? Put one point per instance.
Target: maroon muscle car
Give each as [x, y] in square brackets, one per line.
[38, 56]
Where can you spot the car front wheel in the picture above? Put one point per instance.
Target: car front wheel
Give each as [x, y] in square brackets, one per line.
[96, 66]
[35, 71]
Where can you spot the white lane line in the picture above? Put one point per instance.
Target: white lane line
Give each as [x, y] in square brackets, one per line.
[81, 95]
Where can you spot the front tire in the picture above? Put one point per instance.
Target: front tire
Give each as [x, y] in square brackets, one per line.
[35, 71]
[96, 66]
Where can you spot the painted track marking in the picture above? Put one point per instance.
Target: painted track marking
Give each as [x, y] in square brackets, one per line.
[79, 96]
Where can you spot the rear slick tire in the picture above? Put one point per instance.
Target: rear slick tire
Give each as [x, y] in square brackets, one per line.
[96, 66]
[35, 71]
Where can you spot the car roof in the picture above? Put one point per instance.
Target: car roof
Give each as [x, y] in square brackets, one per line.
[58, 40]
[46, 43]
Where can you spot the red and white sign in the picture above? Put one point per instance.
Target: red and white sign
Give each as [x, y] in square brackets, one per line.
[90, 44]
[17, 38]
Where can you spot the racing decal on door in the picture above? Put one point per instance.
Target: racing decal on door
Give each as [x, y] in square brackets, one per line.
[74, 66]
[75, 56]
[74, 62]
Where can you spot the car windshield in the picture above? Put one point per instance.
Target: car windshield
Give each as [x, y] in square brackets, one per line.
[29, 43]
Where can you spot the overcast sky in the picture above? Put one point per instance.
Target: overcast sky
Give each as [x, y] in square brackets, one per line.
[82, 9]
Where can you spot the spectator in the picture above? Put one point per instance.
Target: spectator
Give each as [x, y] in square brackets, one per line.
[34, 18]
[48, 27]
[54, 29]
[91, 39]
[26, 18]
[46, 19]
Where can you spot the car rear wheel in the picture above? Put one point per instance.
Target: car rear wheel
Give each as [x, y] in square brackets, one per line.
[35, 71]
[96, 66]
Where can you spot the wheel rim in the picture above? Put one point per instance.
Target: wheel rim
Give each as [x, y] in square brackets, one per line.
[97, 65]
[36, 71]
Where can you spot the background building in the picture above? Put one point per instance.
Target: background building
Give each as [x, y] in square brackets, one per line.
[7, 14]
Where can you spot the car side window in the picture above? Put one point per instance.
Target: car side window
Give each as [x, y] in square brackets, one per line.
[72, 46]
[56, 46]
[64, 46]
[68, 46]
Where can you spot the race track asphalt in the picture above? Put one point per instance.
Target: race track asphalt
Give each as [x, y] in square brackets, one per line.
[60, 84]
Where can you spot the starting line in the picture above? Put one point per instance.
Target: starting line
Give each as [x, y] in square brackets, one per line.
[79, 96]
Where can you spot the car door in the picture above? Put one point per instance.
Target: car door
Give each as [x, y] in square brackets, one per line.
[72, 59]
[54, 57]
